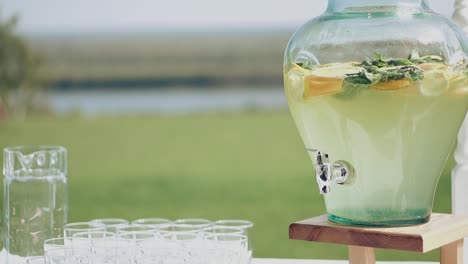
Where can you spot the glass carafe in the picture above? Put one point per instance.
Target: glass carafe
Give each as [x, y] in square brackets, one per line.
[35, 204]
[378, 91]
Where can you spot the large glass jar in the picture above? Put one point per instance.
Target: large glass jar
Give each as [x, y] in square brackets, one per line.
[35, 200]
[378, 91]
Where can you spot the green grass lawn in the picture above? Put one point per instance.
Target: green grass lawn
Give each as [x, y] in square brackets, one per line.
[245, 165]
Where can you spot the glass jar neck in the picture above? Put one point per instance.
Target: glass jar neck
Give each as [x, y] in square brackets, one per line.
[374, 5]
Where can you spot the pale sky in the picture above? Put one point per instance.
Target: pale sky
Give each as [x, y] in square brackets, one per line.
[50, 16]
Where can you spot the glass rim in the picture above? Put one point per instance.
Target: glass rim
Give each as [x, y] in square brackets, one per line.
[242, 237]
[122, 227]
[35, 161]
[215, 227]
[34, 148]
[235, 223]
[147, 221]
[196, 222]
[114, 221]
[77, 235]
[185, 227]
[72, 226]
[138, 232]
[170, 236]
[53, 239]
[183, 220]
[135, 233]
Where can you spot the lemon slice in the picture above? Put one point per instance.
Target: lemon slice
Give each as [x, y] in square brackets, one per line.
[328, 79]
[458, 84]
[393, 85]
[435, 83]
[457, 80]
[429, 66]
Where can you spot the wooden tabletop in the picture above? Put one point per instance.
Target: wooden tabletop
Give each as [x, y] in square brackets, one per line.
[441, 230]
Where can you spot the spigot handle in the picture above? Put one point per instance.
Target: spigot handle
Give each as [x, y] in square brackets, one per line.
[323, 172]
[339, 172]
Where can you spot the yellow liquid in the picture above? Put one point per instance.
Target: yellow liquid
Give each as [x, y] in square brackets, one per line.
[397, 141]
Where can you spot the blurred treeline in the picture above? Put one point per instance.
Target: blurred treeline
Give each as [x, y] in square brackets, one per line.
[34, 63]
[152, 60]
[20, 80]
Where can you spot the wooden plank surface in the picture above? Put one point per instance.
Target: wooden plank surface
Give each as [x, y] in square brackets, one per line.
[452, 253]
[441, 230]
[361, 255]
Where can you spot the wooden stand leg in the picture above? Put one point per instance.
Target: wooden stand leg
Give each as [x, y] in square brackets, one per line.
[361, 255]
[452, 253]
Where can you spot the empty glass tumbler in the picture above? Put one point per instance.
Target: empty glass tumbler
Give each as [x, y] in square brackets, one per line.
[35, 200]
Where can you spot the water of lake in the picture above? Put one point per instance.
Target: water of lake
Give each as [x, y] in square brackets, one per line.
[178, 100]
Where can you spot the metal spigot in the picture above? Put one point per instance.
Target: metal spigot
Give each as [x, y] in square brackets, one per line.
[339, 172]
[323, 172]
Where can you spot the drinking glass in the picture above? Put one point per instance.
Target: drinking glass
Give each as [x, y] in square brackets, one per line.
[128, 242]
[106, 251]
[170, 252]
[66, 260]
[136, 235]
[69, 255]
[35, 199]
[132, 239]
[222, 230]
[36, 260]
[134, 228]
[190, 243]
[111, 224]
[188, 239]
[91, 239]
[72, 228]
[149, 254]
[152, 257]
[195, 222]
[236, 223]
[177, 229]
[227, 248]
[231, 241]
[154, 222]
[54, 243]
[245, 225]
[224, 256]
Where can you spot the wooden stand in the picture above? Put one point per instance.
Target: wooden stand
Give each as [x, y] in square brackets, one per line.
[444, 231]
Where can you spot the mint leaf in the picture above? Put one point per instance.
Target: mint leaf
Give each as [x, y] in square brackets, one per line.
[351, 90]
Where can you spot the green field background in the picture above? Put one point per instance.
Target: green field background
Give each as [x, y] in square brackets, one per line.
[228, 57]
[249, 165]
